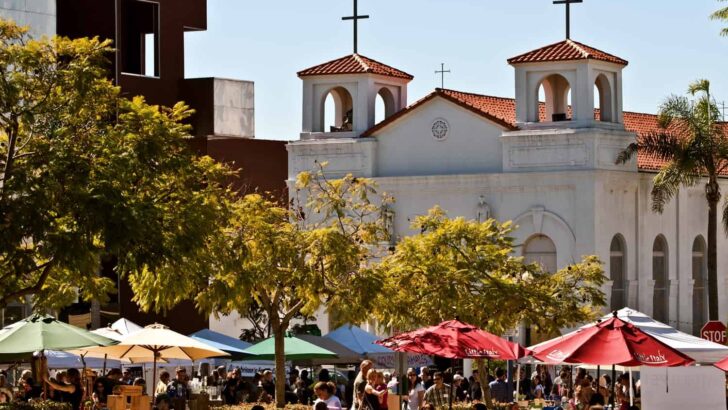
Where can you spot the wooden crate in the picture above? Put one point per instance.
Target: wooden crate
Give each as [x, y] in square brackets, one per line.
[128, 398]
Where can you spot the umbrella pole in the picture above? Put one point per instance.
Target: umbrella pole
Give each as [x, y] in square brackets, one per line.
[154, 377]
[518, 382]
[614, 383]
[103, 372]
[631, 393]
[452, 379]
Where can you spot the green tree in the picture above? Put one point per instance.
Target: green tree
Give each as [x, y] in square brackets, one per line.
[85, 173]
[466, 269]
[721, 14]
[694, 148]
[286, 263]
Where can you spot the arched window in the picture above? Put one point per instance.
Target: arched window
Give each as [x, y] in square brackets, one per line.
[385, 105]
[556, 92]
[337, 114]
[541, 249]
[660, 301]
[617, 273]
[700, 278]
[604, 91]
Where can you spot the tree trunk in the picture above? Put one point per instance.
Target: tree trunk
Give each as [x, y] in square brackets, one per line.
[712, 193]
[483, 372]
[279, 334]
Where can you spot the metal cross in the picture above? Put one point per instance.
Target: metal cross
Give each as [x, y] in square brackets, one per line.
[568, 4]
[356, 17]
[442, 74]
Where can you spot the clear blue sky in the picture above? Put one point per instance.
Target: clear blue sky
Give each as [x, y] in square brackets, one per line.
[667, 42]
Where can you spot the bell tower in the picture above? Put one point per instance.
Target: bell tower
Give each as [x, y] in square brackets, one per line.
[568, 110]
[354, 82]
[565, 71]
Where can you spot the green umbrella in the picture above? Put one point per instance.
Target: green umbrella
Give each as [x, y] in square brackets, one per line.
[41, 332]
[295, 349]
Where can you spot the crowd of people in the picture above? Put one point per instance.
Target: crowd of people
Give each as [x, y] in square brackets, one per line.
[366, 389]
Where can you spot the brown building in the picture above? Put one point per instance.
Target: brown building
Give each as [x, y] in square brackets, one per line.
[149, 60]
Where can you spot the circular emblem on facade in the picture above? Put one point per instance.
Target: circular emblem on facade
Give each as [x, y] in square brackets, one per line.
[440, 129]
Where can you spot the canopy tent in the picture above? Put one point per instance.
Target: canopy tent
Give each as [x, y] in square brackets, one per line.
[362, 342]
[67, 360]
[295, 349]
[118, 330]
[125, 326]
[701, 350]
[357, 339]
[234, 347]
[345, 355]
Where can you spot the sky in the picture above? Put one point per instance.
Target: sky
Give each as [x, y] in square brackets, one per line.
[669, 43]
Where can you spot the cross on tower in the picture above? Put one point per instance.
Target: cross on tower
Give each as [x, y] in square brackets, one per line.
[568, 4]
[356, 17]
[442, 72]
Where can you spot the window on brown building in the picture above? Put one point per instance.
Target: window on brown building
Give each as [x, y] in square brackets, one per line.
[140, 38]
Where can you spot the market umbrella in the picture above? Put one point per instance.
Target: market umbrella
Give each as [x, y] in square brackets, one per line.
[610, 342]
[67, 360]
[157, 342]
[722, 365]
[343, 354]
[43, 332]
[454, 339]
[295, 349]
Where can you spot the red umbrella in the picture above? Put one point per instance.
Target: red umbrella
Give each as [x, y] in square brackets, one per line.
[722, 365]
[612, 342]
[455, 340]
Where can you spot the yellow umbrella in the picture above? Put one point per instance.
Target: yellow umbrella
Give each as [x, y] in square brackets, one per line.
[157, 342]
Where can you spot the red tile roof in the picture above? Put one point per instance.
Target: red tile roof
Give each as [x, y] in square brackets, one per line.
[354, 64]
[479, 104]
[503, 112]
[567, 50]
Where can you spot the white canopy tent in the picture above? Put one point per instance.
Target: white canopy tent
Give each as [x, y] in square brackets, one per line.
[701, 350]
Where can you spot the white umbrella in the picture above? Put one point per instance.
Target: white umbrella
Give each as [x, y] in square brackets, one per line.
[157, 342]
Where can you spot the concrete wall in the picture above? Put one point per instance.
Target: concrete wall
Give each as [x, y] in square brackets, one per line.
[38, 15]
[222, 107]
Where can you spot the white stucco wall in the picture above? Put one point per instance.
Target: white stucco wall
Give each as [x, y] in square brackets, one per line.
[580, 204]
[407, 147]
[38, 15]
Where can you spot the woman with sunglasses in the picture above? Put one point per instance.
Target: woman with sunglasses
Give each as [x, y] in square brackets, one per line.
[416, 390]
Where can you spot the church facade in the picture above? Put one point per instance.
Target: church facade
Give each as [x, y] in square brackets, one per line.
[549, 166]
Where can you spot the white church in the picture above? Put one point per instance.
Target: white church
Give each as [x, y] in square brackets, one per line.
[548, 166]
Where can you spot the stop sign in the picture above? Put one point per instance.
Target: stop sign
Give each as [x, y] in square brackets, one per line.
[715, 331]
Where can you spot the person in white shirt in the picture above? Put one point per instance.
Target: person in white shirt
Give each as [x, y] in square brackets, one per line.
[416, 393]
[326, 393]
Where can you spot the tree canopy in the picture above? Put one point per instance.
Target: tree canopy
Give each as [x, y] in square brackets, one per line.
[721, 14]
[458, 268]
[86, 173]
[285, 261]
